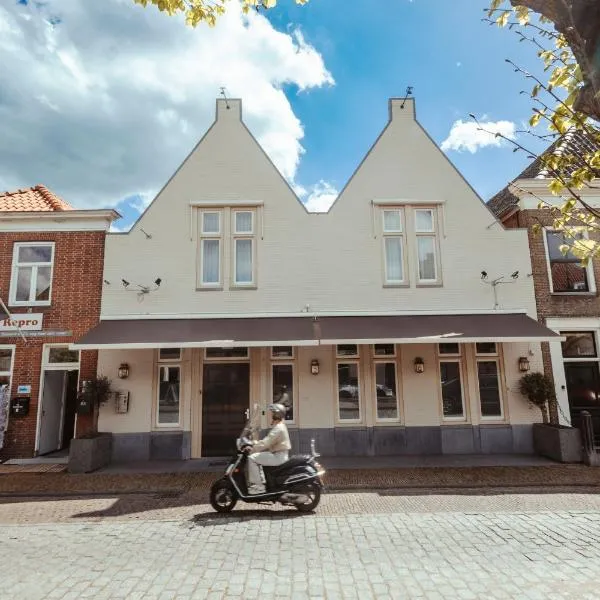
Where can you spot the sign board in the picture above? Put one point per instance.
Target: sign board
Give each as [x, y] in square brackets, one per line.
[22, 322]
[47, 333]
[23, 389]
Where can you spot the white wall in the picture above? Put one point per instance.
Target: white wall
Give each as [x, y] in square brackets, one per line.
[333, 262]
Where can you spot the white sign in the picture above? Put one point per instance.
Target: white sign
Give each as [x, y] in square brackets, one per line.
[22, 322]
[23, 389]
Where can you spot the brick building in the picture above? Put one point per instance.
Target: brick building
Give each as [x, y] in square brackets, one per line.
[566, 293]
[51, 261]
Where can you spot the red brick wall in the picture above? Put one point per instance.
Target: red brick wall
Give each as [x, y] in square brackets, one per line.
[76, 297]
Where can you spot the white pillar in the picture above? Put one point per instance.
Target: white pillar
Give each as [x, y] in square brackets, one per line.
[560, 382]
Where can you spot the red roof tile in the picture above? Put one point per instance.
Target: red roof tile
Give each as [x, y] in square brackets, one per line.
[38, 198]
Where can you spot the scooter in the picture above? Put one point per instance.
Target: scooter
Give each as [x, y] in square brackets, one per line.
[296, 482]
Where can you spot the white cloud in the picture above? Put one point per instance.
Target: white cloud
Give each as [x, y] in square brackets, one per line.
[468, 135]
[320, 197]
[107, 102]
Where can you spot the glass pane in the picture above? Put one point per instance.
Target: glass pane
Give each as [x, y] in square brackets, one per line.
[5, 360]
[424, 221]
[578, 344]
[385, 384]
[243, 261]
[283, 388]
[210, 261]
[384, 349]
[169, 354]
[168, 396]
[23, 284]
[227, 353]
[393, 259]
[555, 240]
[568, 277]
[426, 247]
[583, 386]
[486, 348]
[243, 222]
[211, 222]
[392, 221]
[489, 389]
[282, 351]
[35, 254]
[347, 350]
[42, 283]
[451, 389]
[63, 355]
[447, 348]
[348, 392]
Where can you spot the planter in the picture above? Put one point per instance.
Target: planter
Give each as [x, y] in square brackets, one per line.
[89, 454]
[558, 442]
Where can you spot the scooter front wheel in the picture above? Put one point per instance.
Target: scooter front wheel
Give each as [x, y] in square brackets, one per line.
[223, 496]
[313, 496]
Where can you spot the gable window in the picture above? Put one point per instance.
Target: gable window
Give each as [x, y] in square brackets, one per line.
[425, 232]
[32, 273]
[393, 246]
[243, 247]
[566, 273]
[453, 404]
[210, 249]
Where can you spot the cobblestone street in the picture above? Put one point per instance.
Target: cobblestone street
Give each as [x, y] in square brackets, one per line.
[357, 545]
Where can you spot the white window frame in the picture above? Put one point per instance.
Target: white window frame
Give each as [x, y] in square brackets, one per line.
[343, 357]
[345, 360]
[14, 275]
[205, 236]
[274, 356]
[160, 359]
[245, 358]
[582, 359]
[63, 366]
[286, 361]
[589, 268]
[9, 373]
[433, 234]
[394, 234]
[387, 359]
[497, 358]
[238, 236]
[458, 359]
[169, 364]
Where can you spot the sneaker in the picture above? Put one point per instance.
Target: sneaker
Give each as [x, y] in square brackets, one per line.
[256, 490]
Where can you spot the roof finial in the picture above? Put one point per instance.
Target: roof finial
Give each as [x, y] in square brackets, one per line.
[409, 91]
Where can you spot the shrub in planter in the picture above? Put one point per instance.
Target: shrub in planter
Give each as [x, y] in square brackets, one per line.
[94, 392]
[539, 390]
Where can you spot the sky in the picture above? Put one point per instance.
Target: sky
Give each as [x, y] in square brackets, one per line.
[102, 101]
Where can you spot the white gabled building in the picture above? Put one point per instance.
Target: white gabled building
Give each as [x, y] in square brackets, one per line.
[227, 289]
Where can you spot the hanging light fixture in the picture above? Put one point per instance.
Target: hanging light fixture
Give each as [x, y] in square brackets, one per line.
[524, 365]
[419, 365]
[123, 371]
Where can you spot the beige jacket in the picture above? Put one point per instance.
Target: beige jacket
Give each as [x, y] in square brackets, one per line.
[277, 440]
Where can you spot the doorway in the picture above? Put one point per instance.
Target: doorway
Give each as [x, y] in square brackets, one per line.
[225, 398]
[583, 390]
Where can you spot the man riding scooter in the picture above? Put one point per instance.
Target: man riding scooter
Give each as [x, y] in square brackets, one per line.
[271, 451]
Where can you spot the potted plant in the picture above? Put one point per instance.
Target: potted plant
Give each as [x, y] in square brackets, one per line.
[558, 442]
[91, 451]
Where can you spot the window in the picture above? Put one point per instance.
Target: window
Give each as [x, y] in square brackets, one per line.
[393, 246]
[425, 232]
[169, 354]
[282, 352]
[384, 350]
[453, 406]
[488, 376]
[243, 247]
[32, 273]
[566, 273]
[169, 383]
[210, 249]
[283, 387]
[348, 392]
[6, 364]
[486, 348]
[226, 352]
[347, 350]
[62, 354]
[580, 344]
[386, 391]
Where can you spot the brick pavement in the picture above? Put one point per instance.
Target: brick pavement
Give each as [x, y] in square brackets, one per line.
[358, 545]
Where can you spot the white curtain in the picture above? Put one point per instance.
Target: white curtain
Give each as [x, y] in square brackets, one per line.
[243, 261]
[426, 246]
[243, 222]
[210, 261]
[393, 259]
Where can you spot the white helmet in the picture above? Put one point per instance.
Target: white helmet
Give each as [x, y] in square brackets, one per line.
[278, 410]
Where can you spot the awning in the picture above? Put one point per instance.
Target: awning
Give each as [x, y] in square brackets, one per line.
[312, 331]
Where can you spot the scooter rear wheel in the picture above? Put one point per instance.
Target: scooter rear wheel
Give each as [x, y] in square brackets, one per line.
[223, 496]
[313, 492]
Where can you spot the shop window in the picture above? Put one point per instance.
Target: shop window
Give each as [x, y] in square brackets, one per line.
[453, 405]
[6, 363]
[169, 385]
[386, 391]
[283, 387]
[348, 392]
[490, 398]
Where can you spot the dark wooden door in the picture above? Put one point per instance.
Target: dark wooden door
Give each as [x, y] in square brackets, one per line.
[225, 398]
[583, 389]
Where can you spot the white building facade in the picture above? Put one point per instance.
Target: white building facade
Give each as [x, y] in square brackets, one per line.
[383, 323]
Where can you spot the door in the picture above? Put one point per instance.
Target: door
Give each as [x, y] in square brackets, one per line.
[583, 390]
[225, 398]
[53, 400]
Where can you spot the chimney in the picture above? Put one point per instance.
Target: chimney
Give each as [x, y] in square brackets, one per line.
[396, 110]
[230, 108]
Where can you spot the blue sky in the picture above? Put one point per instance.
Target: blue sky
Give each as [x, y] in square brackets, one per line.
[104, 100]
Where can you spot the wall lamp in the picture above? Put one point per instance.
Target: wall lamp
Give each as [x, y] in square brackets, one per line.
[524, 364]
[419, 365]
[314, 366]
[123, 371]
